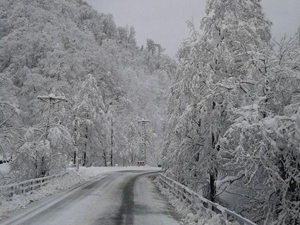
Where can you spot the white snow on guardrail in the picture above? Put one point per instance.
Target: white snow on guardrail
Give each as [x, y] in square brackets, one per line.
[8, 191]
[198, 202]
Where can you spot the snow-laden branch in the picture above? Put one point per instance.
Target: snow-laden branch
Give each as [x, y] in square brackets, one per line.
[52, 97]
[7, 119]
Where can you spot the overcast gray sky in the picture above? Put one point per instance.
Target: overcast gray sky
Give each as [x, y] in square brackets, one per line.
[164, 21]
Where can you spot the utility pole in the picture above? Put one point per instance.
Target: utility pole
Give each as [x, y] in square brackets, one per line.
[51, 100]
[143, 139]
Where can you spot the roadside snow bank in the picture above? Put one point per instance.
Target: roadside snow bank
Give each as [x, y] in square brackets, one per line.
[202, 217]
[71, 178]
[21, 201]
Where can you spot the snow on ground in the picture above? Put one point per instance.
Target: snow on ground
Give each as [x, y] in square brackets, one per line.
[203, 217]
[150, 207]
[70, 179]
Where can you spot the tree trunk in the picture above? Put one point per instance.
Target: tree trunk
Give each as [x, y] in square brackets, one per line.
[43, 167]
[36, 165]
[111, 143]
[48, 120]
[212, 179]
[74, 158]
[132, 159]
[84, 159]
[75, 140]
[104, 158]
[214, 173]
[85, 146]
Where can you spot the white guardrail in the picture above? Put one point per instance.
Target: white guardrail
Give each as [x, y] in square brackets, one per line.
[198, 202]
[8, 191]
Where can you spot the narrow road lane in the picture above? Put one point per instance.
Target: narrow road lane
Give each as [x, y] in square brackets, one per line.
[116, 198]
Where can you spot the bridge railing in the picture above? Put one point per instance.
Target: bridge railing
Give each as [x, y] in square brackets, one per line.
[198, 202]
[8, 191]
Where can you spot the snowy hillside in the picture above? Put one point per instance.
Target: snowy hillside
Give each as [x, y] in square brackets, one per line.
[73, 84]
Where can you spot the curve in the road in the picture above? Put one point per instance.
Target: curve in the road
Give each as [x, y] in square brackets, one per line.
[119, 198]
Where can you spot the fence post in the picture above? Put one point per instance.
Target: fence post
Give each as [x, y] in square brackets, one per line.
[224, 214]
[210, 207]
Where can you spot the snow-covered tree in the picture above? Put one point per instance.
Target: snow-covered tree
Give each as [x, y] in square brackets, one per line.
[43, 142]
[261, 145]
[216, 74]
[89, 108]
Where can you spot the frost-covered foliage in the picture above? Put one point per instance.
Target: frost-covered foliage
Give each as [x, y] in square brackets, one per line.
[45, 146]
[65, 51]
[89, 119]
[10, 135]
[232, 113]
[261, 146]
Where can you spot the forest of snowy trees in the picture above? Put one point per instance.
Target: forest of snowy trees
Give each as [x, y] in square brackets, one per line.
[233, 114]
[224, 115]
[73, 84]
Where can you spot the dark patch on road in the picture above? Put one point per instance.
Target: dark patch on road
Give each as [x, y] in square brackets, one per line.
[142, 209]
[126, 210]
[125, 215]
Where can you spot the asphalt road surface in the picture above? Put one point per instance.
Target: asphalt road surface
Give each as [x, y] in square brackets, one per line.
[116, 198]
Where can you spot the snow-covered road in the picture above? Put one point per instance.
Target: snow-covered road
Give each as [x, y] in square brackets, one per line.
[115, 198]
